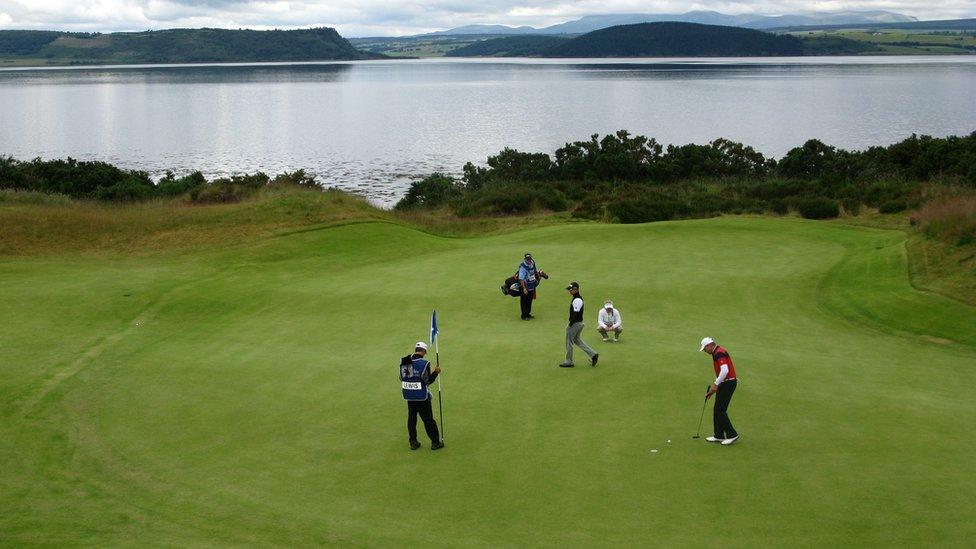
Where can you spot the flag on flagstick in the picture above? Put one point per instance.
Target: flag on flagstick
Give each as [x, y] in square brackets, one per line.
[437, 353]
[433, 327]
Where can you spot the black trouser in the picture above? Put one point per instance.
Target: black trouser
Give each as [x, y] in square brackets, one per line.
[426, 412]
[720, 415]
[526, 302]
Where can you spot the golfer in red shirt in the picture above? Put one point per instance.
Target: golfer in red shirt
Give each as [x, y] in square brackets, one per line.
[723, 387]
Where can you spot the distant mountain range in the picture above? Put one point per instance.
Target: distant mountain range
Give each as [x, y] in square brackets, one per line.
[661, 39]
[591, 23]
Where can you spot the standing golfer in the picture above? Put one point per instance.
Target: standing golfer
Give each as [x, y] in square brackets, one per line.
[528, 277]
[575, 327]
[724, 386]
[609, 321]
[415, 376]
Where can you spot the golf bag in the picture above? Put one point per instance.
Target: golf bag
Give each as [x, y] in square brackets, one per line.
[512, 287]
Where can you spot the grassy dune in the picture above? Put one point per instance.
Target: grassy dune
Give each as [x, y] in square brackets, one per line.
[246, 393]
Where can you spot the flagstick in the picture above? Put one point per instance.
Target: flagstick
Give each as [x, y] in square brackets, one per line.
[440, 402]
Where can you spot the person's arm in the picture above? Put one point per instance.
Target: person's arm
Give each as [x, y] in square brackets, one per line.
[429, 376]
[601, 319]
[619, 322]
[577, 304]
[522, 275]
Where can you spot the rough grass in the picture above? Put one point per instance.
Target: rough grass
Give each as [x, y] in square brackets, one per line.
[942, 248]
[40, 224]
[168, 225]
[951, 219]
[247, 395]
[12, 196]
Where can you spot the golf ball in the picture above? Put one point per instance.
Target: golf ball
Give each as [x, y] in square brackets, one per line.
[654, 451]
[669, 441]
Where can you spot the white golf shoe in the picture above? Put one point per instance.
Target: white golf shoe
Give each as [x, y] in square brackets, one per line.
[730, 441]
[713, 439]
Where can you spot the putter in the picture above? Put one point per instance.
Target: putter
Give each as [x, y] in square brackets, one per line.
[698, 433]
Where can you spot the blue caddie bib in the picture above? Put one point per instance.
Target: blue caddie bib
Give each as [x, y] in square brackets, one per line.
[532, 278]
[411, 381]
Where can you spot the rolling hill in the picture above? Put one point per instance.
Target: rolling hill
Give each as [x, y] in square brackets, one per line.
[176, 46]
[661, 40]
[677, 39]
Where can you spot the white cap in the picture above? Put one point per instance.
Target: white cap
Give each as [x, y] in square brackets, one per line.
[705, 341]
[608, 304]
[420, 345]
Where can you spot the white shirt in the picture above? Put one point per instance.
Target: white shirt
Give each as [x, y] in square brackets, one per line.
[577, 304]
[722, 374]
[612, 318]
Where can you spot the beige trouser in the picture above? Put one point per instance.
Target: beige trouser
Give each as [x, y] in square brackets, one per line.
[616, 331]
[573, 338]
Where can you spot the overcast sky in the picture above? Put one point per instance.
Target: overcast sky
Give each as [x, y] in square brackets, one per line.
[396, 17]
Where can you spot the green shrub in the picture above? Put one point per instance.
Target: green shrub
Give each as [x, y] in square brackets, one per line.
[229, 189]
[433, 190]
[77, 179]
[817, 208]
[512, 165]
[511, 199]
[893, 206]
[852, 206]
[172, 186]
[779, 206]
[645, 210]
[130, 189]
[298, 179]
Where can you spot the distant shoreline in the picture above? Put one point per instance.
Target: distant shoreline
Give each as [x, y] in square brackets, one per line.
[870, 59]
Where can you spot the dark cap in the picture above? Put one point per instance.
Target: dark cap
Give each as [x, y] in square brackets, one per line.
[528, 255]
[573, 285]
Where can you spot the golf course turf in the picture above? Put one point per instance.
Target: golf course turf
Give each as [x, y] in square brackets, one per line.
[249, 394]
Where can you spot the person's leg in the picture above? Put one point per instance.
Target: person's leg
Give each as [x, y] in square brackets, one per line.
[603, 332]
[720, 416]
[724, 397]
[569, 345]
[412, 421]
[718, 423]
[580, 343]
[427, 414]
[616, 333]
[525, 301]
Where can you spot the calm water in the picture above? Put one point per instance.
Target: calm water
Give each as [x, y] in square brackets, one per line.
[374, 126]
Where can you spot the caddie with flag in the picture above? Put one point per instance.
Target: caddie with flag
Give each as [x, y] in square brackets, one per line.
[415, 376]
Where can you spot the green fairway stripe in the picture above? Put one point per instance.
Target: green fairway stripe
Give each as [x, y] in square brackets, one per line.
[256, 402]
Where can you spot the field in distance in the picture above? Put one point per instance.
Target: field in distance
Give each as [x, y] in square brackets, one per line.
[906, 42]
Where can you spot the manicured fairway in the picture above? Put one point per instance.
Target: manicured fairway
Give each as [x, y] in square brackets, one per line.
[250, 395]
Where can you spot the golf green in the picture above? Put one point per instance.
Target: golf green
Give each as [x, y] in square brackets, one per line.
[249, 395]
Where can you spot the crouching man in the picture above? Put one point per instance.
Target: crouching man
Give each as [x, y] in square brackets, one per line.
[415, 376]
[609, 322]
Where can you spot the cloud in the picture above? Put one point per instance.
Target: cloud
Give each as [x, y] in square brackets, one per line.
[392, 17]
